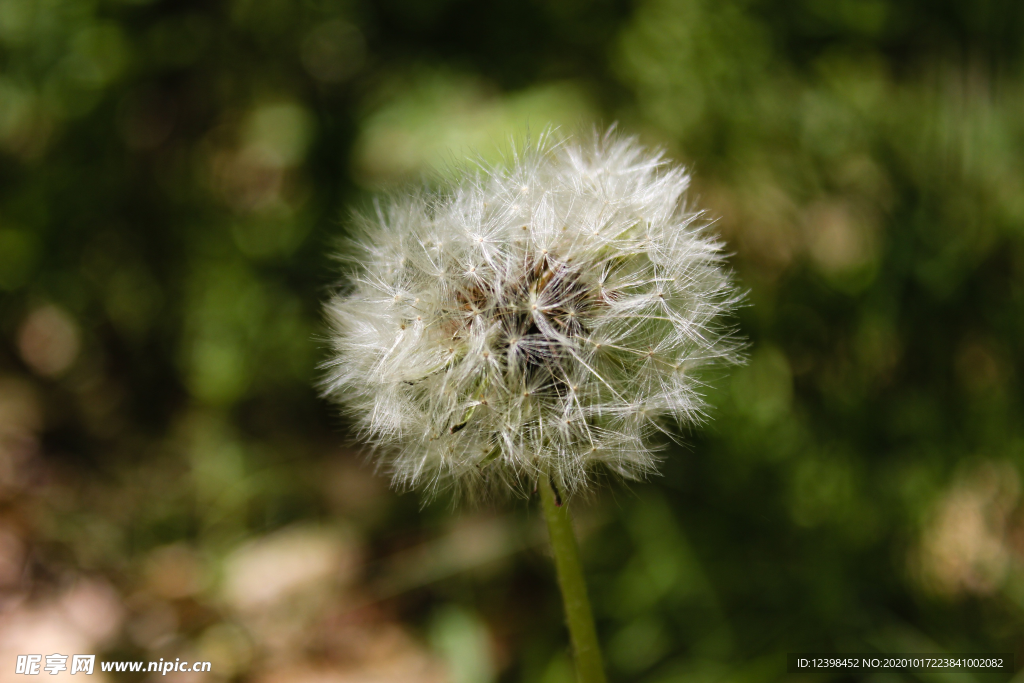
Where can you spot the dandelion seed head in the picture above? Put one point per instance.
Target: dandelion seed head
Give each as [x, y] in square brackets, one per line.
[553, 354]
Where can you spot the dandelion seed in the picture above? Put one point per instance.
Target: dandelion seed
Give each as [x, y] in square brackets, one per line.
[622, 260]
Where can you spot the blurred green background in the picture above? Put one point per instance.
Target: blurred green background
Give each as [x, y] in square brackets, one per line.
[173, 174]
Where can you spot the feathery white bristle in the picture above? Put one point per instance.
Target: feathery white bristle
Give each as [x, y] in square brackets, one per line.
[537, 319]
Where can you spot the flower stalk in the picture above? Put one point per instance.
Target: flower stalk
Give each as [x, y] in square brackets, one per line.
[578, 616]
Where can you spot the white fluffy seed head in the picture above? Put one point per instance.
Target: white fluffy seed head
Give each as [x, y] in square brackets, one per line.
[537, 318]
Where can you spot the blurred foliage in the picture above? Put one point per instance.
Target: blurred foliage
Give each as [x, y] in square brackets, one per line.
[173, 176]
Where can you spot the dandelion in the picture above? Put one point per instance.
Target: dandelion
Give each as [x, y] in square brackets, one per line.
[536, 322]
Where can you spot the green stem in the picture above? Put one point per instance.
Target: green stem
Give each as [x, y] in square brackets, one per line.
[574, 589]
